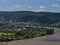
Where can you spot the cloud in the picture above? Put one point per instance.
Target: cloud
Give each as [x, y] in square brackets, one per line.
[58, 0]
[6, 1]
[29, 0]
[29, 7]
[17, 6]
[20, 7]
[55, 5]
[38, 10]
[42, 7]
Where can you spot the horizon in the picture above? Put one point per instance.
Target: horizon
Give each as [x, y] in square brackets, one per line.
[31, 11]
[30, 5]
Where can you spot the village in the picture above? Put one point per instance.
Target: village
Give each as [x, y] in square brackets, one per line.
[16, 26]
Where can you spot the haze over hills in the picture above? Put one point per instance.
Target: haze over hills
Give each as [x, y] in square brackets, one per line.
[30, 16]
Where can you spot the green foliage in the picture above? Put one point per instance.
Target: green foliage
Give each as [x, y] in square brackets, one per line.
[25, 34]
[25, 16]
[31, 33]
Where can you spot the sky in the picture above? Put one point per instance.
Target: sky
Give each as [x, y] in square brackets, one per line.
[30, 5]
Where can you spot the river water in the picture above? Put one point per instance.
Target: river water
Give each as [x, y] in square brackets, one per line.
[44, 40]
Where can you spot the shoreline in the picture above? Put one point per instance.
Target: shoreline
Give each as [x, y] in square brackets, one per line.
[28, 39]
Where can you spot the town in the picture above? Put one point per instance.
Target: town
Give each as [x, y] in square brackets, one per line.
[16, 26]
[22, 30]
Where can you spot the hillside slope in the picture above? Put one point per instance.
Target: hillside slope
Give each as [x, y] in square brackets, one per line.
[29, 16]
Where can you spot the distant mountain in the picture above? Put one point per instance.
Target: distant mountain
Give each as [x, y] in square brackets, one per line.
[29, 16]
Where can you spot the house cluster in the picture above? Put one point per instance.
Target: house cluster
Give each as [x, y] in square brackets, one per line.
[18, 25]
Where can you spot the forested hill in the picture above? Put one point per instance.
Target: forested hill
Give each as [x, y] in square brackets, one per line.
[29, 16]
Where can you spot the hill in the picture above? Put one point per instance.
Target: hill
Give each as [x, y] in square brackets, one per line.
[29, 16]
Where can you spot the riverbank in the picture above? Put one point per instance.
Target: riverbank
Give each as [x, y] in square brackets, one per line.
[25, 34]
[43, 40]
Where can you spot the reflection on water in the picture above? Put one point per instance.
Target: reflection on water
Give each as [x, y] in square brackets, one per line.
[45, 40]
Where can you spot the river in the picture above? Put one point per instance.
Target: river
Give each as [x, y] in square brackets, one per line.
[44, 40]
